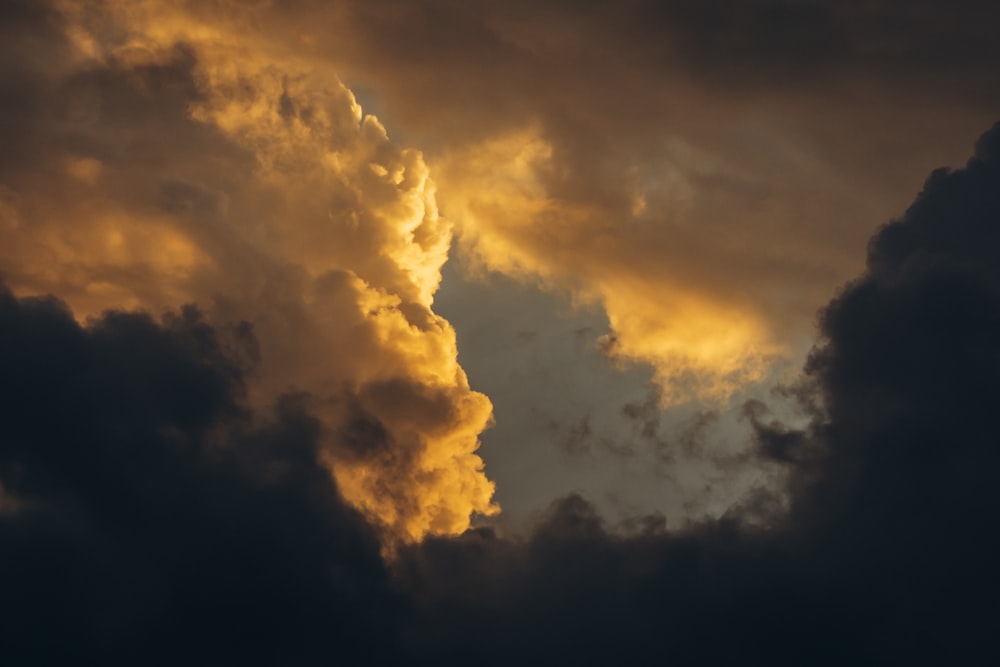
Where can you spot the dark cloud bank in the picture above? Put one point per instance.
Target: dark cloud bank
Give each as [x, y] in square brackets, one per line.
[887, 553]
[148, 517]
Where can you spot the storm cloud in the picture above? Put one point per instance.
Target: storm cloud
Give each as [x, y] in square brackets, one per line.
[150, 515]
[885, 551]
[235, 430]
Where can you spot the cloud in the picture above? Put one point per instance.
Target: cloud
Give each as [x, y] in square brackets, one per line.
[177, 152]
[151, 513]
[568, 153]
[165, 497]
[700, 344]
[884, 552]
[705, 172]
[168, 161]
[159, 518]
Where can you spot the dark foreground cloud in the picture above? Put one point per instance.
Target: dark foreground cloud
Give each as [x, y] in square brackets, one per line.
[149, 517]
[887, 553]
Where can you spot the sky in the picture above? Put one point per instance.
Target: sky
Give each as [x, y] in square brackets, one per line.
[451, 331]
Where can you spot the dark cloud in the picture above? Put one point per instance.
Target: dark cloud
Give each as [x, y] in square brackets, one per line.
[886, 552]
[157, 521]
[479, 61]
[808, 43]
[774, 440]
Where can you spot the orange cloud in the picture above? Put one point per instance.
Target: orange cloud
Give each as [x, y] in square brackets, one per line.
[701, 346]
[207, 166]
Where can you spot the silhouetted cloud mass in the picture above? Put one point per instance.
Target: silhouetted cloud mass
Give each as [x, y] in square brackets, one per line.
[886, 553]
[150, 516]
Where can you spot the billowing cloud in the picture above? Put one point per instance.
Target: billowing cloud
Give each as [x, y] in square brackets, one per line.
[706, 172]
[168, 161]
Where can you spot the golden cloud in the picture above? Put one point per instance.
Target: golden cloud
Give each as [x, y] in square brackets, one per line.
[202, 165]
[700, 346]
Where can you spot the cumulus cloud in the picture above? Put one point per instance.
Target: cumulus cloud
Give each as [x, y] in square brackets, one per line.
[175, 161]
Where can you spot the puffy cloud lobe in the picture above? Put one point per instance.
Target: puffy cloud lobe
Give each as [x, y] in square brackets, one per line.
[179, 161]
[912, 345]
